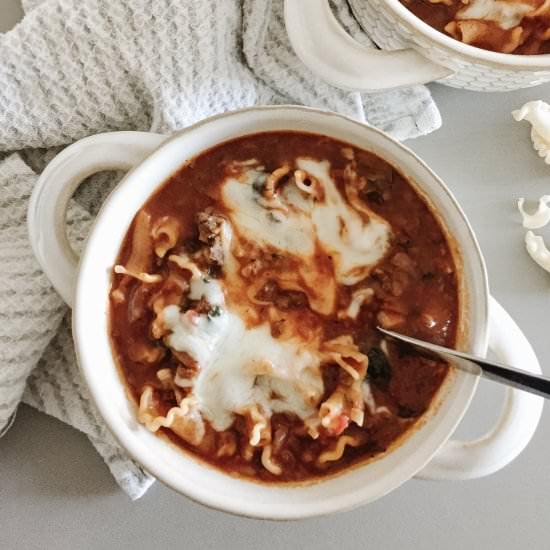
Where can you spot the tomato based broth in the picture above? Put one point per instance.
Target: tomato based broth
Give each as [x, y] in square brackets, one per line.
[246, 297]
[505, 26]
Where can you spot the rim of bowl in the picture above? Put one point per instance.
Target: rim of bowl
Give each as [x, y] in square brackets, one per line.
[516, 61]
[132, 443]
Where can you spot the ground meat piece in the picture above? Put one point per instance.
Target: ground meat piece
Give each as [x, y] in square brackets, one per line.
[209, 225]
[254, 261]
[283, 299]
[201, 306]
[277, 328]
[289, 299]
[215, 254]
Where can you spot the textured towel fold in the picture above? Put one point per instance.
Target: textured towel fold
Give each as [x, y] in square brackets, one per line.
[73, 68]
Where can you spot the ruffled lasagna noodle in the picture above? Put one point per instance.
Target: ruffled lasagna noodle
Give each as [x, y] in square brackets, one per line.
[245, 300]
[506, 26]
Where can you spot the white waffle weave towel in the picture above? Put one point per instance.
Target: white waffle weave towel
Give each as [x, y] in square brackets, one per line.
[73, 68]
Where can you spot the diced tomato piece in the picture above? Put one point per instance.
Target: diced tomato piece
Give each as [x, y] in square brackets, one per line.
[341, 424]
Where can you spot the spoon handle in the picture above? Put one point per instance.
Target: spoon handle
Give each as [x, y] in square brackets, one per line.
[517, 378]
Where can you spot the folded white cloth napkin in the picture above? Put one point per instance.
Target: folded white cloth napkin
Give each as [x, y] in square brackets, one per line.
[73, 68]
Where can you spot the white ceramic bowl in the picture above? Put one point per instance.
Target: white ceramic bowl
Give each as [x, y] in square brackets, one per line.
[413, 51]
[86, 287]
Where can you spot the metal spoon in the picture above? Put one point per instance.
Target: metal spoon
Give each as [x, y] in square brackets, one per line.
[539, 385]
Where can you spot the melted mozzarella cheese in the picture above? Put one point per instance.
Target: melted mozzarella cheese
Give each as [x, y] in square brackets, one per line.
[252, 368]
[506, 14]
[203, 287]
[353, 242]
[293, 235]
[241, 367]
[196, 335]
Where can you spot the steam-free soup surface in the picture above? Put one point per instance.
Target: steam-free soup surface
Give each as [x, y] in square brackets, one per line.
[246, 297]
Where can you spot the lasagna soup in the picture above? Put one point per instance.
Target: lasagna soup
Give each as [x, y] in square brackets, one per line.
[245, 301]
[505, 26]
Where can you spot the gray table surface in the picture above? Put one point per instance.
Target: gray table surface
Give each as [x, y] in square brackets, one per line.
[55, 491]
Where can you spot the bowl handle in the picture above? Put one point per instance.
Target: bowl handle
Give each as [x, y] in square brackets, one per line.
[55, 186]
[330, 52]
[517, 423]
